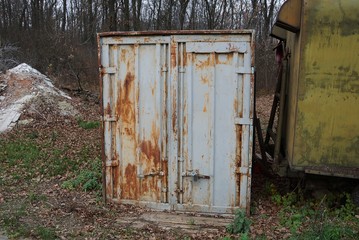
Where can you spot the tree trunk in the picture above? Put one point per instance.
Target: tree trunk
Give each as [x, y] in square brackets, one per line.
[182, 13]
[64, 13]
[126, 15]
[112, 12]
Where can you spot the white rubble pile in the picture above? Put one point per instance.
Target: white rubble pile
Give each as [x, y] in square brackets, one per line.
[19, 86]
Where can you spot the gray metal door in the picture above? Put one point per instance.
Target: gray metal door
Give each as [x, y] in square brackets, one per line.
[215, 125]
[135, 127]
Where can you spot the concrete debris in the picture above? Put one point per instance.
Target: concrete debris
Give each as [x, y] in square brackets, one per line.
[22, 85]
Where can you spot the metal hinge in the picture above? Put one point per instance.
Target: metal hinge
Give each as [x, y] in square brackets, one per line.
[112, 163]
[243, 170]
[194, 174]
[108, 118]
[108, 70]
[243, 121]
[182, 70]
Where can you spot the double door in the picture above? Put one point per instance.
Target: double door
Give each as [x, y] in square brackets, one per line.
[177, 121]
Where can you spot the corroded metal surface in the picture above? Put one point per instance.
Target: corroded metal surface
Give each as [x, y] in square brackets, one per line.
[177, 119]
[322, 127]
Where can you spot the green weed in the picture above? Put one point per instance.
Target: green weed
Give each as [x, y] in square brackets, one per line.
[88, 124]
[12, 223]
[34, 197]
[45, 233]
[87, 179]
[326, 229]
[22, 153]
[191, 221]
[245, 236]
[347, 211]
[240, 223]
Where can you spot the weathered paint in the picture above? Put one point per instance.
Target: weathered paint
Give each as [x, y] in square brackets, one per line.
[178, 110]
[322, 134]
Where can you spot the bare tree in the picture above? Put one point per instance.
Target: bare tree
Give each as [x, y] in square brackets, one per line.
[7, 56]
[136, 14]
[64, 14]
[182, 12]
[125, 15]
[112, 15]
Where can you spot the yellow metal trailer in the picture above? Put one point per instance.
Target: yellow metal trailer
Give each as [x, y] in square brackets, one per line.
[319, 118]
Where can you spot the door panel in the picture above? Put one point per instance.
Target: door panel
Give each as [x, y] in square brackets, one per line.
[210, 137]
[138, 128]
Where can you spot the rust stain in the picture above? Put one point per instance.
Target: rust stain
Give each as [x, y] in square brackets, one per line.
[150, 150]
[123, 55]
[102, 70]
[235, 106]
[108, 109]
[223, 58]
[125, 106]
[128, 84]
[173, 55]
[206, 102]
[151, 162]
[129, 131]
[238, 160]
[204, 80]
[206, 63]
[129, 186]
[174, 116]
[144, 187]
[204, 108]
[115, 179]
[184, 55]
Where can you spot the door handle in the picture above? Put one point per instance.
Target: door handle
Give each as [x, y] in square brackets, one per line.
[195, 175]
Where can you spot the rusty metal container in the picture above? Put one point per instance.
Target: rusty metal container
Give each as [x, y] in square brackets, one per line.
[177, 118]
[321, 117]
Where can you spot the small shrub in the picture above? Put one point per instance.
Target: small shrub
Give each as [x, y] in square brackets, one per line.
[191, 221]
[88, 180]
[240, 223]
[45, 233]
[292, 221]
[328, 231]
[348, 210]
[20, 153]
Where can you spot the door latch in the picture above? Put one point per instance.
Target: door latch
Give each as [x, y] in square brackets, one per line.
[152, 173]
[194, 174]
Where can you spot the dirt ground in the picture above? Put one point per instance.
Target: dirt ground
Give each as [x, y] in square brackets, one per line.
[35, 204]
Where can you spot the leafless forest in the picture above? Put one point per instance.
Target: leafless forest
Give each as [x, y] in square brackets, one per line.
[58, 37]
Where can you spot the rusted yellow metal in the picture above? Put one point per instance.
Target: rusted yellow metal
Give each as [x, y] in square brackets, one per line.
[322, 122]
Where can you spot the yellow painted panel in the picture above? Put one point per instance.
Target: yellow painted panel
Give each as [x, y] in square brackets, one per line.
[327, 117]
